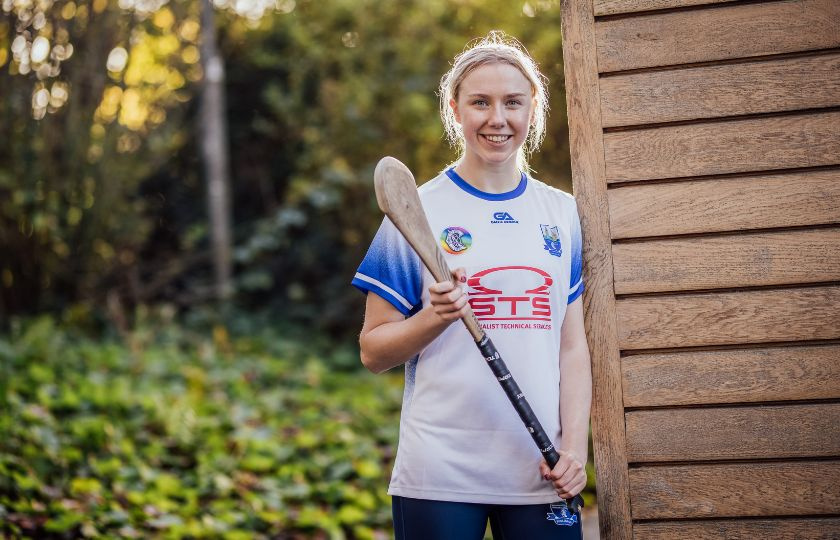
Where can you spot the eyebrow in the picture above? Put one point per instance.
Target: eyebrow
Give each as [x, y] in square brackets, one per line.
[515, 94]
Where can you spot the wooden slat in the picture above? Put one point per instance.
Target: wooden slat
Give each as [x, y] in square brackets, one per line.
[739, 31]
[590, 187]
[616, 7]
[755, 144]
[767, 529]
[684, 320]
[731, 376]
[778, 258]
[715, 91]
[732, 490]
[717, 433]
[730, 204]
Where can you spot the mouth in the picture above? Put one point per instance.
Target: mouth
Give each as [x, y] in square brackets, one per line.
[497, 139]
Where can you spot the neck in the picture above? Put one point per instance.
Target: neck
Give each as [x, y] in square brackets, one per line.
[490, 178]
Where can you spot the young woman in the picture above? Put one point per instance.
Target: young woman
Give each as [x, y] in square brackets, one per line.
[464, 455]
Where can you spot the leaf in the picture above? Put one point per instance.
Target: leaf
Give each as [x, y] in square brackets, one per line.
[85, 486]
[350, 514]
[168, 484]
[63, 523]
[165, 521]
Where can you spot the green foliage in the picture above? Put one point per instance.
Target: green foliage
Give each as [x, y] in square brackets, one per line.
[338, 89]
[189, 437]
[104, 194]
[178, 435]
[72, 215]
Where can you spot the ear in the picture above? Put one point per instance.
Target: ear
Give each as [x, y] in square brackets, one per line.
[454, 106]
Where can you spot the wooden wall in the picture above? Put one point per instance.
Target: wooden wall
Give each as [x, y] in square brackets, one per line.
[705, 138]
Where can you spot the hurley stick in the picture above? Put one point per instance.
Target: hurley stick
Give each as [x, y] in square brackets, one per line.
[396, 193]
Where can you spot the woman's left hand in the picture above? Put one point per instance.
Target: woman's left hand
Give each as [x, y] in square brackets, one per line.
[568, 477]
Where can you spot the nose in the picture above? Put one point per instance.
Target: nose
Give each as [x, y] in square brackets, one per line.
[497, 116]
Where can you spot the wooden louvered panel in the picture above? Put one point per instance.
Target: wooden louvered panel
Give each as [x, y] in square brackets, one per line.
[615, 7]
[725, 32]
[723, 90]
[684, 320]
[755, 259]
[717, 117]
[731, 376]
[730, 204]
[755, 144]
[731, 490]
[717, 433]
[731, 529]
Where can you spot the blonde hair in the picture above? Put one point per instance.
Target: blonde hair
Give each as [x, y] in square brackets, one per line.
[495, 48]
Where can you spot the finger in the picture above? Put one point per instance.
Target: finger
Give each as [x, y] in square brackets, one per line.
[567, 492]
[449, 315]
[545, 472]
[447, 304]
[460, 274]
[566, 485]
[571, 491]
[563, 495]
[446, 297]
[560, 469]
[571, 475]
[441, 287]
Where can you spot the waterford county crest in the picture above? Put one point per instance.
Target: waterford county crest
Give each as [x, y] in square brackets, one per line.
[552, 240]
[560, 515]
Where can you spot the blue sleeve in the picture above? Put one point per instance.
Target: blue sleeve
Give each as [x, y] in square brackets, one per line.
[392, 270]
[576, 280]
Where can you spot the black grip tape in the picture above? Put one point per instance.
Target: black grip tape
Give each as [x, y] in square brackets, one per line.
[523, 408]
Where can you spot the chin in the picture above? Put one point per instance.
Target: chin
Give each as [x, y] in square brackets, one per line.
[496, 159]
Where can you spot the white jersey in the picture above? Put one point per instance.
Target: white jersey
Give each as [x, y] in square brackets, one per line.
[460, 438]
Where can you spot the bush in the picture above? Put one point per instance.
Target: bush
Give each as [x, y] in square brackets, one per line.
[183, 437]
[176, 435]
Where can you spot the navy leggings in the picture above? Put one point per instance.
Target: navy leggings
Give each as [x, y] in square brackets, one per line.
[420, 519]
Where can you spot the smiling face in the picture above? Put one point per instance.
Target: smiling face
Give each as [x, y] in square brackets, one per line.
[494, 107]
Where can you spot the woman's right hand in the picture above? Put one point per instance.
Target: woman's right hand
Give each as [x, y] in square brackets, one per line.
[448, 299]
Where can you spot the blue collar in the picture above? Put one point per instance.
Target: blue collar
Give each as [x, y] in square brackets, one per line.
[463, 184]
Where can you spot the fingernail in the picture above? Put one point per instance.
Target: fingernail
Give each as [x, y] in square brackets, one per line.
[546, 476]
[463, 279]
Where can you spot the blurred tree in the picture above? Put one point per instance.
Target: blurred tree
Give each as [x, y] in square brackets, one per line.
[213, 134]
[82, 136]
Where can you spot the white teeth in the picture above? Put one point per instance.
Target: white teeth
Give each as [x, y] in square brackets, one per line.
[497, 138]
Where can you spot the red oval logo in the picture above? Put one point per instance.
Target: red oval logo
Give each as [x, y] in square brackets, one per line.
[490, 300]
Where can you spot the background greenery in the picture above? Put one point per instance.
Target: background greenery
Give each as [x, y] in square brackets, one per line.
[133, 403]
[104, 195]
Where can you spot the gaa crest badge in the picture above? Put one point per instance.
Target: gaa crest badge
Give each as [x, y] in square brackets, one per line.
[455, 240]
[551, 235]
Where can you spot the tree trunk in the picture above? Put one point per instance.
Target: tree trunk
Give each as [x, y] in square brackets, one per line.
[213, 134]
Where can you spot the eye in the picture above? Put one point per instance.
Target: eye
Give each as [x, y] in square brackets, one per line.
[480, 102]
[514, 103]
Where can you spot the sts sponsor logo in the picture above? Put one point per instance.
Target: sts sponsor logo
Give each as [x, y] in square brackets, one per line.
[503, 217]
[455, 240]
[492, 298]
